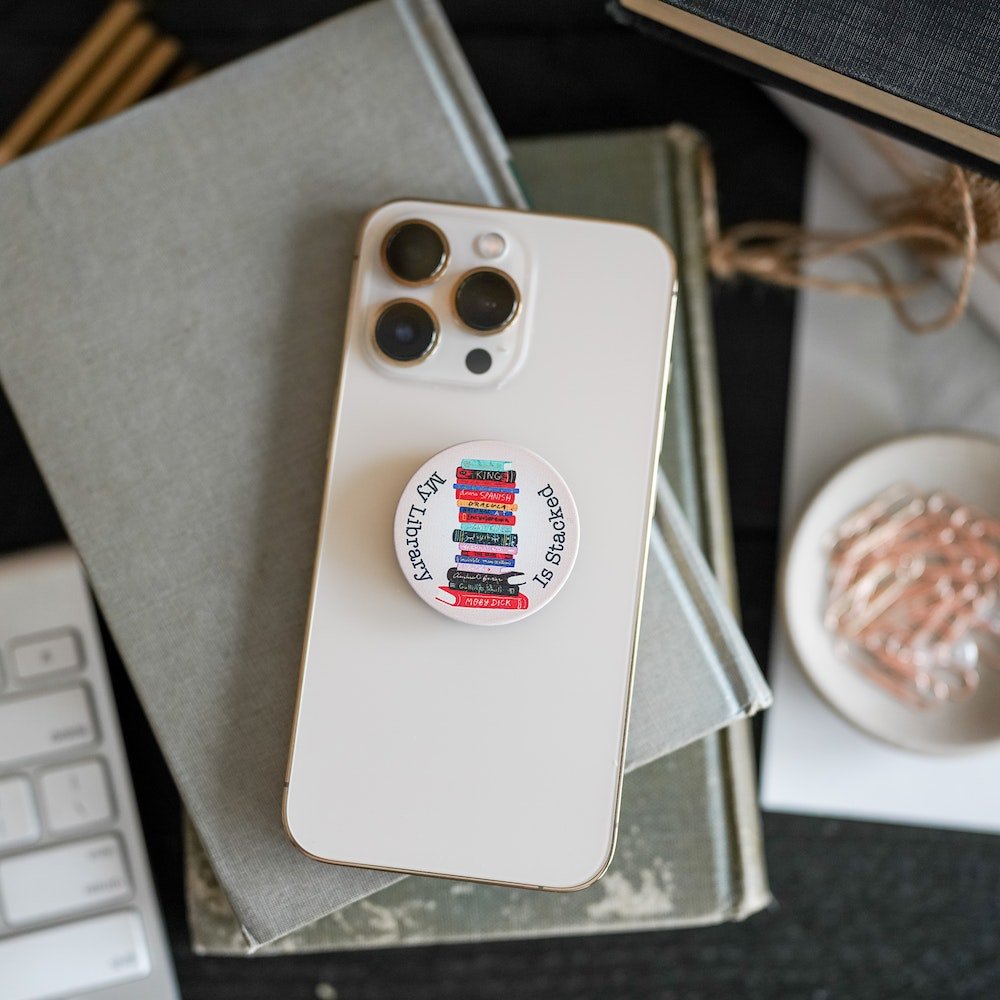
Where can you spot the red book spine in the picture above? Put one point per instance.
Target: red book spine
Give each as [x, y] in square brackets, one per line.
[480, 554]
[489, 602]
[496, 498]
[481, 477]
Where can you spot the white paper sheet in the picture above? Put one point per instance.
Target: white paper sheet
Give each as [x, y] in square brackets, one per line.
[859, 378]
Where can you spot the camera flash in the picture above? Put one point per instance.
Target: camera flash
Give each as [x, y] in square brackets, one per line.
[490, 245]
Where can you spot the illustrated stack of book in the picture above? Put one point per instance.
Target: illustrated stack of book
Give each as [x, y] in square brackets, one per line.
[485, 575]
[184, 439]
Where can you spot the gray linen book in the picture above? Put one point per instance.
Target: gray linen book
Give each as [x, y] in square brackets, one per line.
[174, 284]
[689, 850]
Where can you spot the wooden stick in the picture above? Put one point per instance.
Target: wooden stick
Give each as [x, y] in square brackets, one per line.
[67, 78]
[138, 81]
[185, 74]
[133, 43]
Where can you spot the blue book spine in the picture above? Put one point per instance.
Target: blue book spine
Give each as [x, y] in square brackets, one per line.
[488, 488]
[487, 464]
[486, 511]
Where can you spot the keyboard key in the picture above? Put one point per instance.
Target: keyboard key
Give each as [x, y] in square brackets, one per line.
[74, 958]
[58, 881]
[39, 724]
[75, 796]
[53, 652]
[18, 816]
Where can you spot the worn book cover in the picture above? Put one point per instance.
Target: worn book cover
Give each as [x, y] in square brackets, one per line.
[923, 71]
[175, 283]
[689, 849]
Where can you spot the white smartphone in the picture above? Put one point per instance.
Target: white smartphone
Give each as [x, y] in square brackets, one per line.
[463, 700]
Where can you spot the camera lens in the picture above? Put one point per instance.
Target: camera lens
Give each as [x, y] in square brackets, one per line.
[405, 331]
[415, 252]
[486, 300]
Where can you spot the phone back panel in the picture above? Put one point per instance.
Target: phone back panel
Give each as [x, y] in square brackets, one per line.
[428, 745]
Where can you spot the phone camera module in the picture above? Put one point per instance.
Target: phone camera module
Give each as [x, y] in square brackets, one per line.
[486, 300]
[415, 252]
[405, 331]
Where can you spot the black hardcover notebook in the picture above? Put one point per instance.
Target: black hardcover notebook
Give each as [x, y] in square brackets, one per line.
[925, 71]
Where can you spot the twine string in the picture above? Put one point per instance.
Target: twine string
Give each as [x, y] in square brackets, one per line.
[943, 217]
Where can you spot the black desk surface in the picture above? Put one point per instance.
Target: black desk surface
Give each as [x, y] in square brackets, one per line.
[863, 910]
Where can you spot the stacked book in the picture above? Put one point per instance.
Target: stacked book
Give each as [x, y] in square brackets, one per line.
[196, 513]
[689, 845]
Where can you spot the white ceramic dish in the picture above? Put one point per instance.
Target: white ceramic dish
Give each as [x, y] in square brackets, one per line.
[965, 465]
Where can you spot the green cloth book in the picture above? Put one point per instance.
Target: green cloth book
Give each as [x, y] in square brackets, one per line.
[175, 284]
[689, 848]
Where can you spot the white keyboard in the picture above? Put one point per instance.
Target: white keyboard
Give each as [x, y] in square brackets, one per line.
[78, 914]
